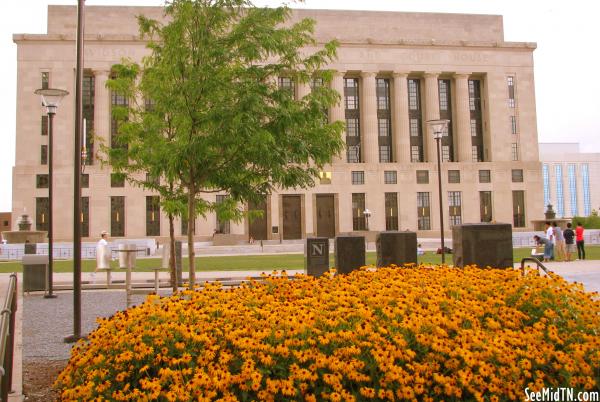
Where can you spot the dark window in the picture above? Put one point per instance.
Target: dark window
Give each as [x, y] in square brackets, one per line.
[85, 216]
[513, 124]
[519, 209]
[358, 177]
[184, 227]
[358, 208]
[476, 120]
[117, 216]
[44, 129]
[384, 120]
[41, 213]
[422, 177]
[85, 180]
[89, 85]
[44, 155]
[455, 207]
[316, 82]
[485, 206]
[41, 181]
[152, 180]
[415, 153]
[117, 180]
[514, 151]
[415, 122]
[517, 175]
[511, 91]
[152, 215]
[45, 80]
[485, 176]
[352, 115]
[287, 84]
[446, 113]
[423, 211]
[391, 211]
[453, 176]
[390, 177]
[118, 102]
[149, 104]
[223, 226]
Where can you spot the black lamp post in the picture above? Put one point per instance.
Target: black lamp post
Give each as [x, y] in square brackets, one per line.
[439, 128]
[50, 99]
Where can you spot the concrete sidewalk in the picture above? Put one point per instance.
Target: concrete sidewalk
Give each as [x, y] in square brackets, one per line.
[41, 324]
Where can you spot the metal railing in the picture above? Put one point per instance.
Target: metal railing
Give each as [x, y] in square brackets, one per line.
[7, 338]
[537, 262]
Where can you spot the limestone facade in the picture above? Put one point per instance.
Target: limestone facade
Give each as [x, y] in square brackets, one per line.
[397, 69]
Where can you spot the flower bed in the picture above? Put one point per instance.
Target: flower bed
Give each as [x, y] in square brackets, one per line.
[394, 334]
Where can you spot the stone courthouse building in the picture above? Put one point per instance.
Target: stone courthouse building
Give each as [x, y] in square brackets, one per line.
[395, 71]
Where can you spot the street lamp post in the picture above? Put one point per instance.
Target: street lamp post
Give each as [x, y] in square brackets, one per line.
[51, 98]
[439, 128]
[367, 215]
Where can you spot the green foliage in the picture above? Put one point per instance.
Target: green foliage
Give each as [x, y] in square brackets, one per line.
[217, 120]
[589, 222]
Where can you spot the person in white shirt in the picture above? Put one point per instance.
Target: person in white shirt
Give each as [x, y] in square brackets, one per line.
[551, 238]
[420, 250]
[102, 253]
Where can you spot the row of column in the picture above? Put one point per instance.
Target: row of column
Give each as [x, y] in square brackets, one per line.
[400, 119]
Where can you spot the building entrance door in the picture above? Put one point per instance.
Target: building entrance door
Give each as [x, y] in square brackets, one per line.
[325, 215]
[292, 217]
[257, 227]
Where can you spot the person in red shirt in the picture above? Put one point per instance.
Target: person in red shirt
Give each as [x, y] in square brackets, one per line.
[580, 243]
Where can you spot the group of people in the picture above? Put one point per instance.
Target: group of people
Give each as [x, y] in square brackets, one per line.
[561, 244]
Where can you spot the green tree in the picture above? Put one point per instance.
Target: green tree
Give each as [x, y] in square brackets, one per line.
[212, 75]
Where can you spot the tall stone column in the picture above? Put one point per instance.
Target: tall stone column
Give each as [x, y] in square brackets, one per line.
[432, 112]
[337, 112]
[400, 121]
[463, 118]
[369, 130]
[101, 108]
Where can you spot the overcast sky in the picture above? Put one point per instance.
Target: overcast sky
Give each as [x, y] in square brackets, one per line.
[566, 60]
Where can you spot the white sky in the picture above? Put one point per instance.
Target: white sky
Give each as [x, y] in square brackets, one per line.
[566, 60]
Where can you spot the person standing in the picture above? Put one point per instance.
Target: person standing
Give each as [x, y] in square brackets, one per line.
[550, 237]
[580, 242]
[569, 236]
[559, 241]
[102, 254]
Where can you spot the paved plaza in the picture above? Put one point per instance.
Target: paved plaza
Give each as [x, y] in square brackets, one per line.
[43, 323]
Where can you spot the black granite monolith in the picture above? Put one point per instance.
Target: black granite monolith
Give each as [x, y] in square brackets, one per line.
[483, 244]
[396, 248]
[316, 255]
[349, 253]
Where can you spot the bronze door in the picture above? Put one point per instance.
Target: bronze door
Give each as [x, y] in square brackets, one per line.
[292, 217]
[257, 227]
[325, 215]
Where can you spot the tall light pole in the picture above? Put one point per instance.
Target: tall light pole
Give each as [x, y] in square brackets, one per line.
[77, 177]
[367, 213]
[439, 128]
[51, 98]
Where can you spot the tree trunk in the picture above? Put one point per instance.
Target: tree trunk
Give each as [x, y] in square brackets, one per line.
[190, 235]
[172, 268]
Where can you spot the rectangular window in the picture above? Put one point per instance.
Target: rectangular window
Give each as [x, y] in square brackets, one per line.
[287, 84]
[316, 82]
[513, 124]
[352, 116]
[473, 128]
[485, 176]
[358, 177]
[153, 181]
[511, 91]
[324, 177]
[383, 94]
[518, 208]
[485, 206]
[44, 125]
[445, 101]
[455, 207]
[45, 80]
[514, 151]
[573, 189]
[385, 154]
[453, 176]
[85, 216]
[446, 153]
[152, 215]
[585, 178]
[118, 103]
[117, 216]
[517, 175]
[415, 153]
[414, 127]
[413, 95]
[443, 87]
[41, 213]
[422, 177]
[222, 226]
[476, 117]
[44, 155]
[415, 120]
[560, 201]
[88, 88]
[85, 180]
[358, 207]
[41, 181]
[117, 180]
[383, 126]
[475, 153]
[391, 211]
[384, 120]
[423, 211]
[390, 177]
[546, 179]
